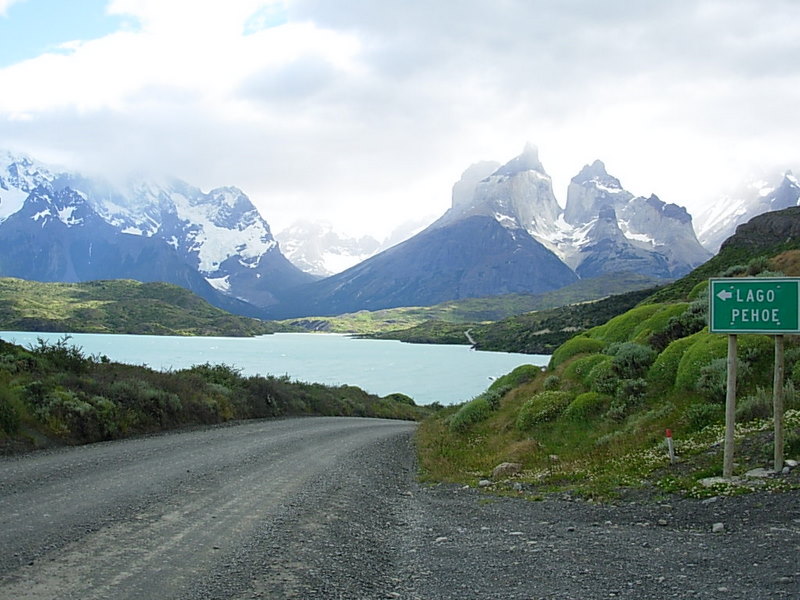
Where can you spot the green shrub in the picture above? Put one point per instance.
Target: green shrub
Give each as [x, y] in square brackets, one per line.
[713, 380]
[704, 349]
[755, 406]
[621, 327]
[522, 374]
[586, 406]
[758, 265]
[401, 398]
[688, 322]
[61, 355]
[664, 369]
[578, 345]
[152, 406]
[630, 359]
[542, 407]
[760, 404]
[552, 382]
[629, 395]
[9, 415]
[701, 415]
[658, 322]
[698, 290]
[579, 369]
[603, 379]
[474, 411]
[494, 396]
[734, 271]
[220, 374]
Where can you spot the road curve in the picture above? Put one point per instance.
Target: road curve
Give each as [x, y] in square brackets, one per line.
[330, 508]
[198, 514]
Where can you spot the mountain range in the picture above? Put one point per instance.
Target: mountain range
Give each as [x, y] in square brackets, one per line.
[59, 226]
[751, 199]
[504, 233]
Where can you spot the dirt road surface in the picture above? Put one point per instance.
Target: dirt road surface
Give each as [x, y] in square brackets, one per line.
[331, 508]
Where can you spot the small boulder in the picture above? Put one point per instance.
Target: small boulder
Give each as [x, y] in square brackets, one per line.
[506, 469]
[759, 473]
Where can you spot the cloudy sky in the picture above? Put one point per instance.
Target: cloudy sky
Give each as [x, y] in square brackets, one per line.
[365, 112]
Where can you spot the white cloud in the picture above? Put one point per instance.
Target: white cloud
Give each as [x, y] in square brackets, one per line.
[6, 4]
[367, 112]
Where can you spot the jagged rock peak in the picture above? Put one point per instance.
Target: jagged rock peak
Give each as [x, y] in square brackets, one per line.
[596, 173]
[671, 211]
[527, 161]
[464, 188]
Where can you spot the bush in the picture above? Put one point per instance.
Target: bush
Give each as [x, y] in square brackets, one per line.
[658, 322]
[579, 369]
[704, 349]
[693, 319]
[621, 327]
[757, 266]
[629, 394]
[699, 416]
[578, 345]
[664, 369]
[542, 407]
[522, 374]
[9, 415]
[755, 406]
[713, 380]
[61, 355]
[152, 406]
[494, 396]
[630, 359]
[474, 411]
[760, 404]
[586, 406]
[551, 382]
[603, 379]
[401, 398]
[220, 374]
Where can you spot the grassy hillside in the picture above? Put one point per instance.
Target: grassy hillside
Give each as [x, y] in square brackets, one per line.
[594, 420]
[537, 332]
[117, 306]
[432, 321]
[53, 394]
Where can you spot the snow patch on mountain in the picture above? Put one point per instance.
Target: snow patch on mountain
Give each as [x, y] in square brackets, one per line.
[214, 238]
[720, 220]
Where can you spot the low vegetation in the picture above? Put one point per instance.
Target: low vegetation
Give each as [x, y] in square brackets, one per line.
[117, 306]
[593, 422]
[52, 393]
[445, 323]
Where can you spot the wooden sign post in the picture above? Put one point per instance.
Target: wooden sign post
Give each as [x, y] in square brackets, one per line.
[768, 305]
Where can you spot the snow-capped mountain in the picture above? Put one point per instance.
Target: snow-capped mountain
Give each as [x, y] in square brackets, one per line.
[650, 236]
[643, 235]
[505, 232]
[219, 234]
[720, 220]
[317, 249]
[519, 195]
[57, 236]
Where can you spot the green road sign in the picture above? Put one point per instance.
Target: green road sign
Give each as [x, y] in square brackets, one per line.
[754, 305]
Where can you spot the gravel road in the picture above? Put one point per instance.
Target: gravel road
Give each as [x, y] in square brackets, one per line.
[330, 508]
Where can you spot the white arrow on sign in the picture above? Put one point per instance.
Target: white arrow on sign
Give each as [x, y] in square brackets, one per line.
[724, 295]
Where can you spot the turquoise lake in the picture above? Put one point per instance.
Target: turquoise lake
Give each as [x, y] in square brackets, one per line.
[448, 374]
